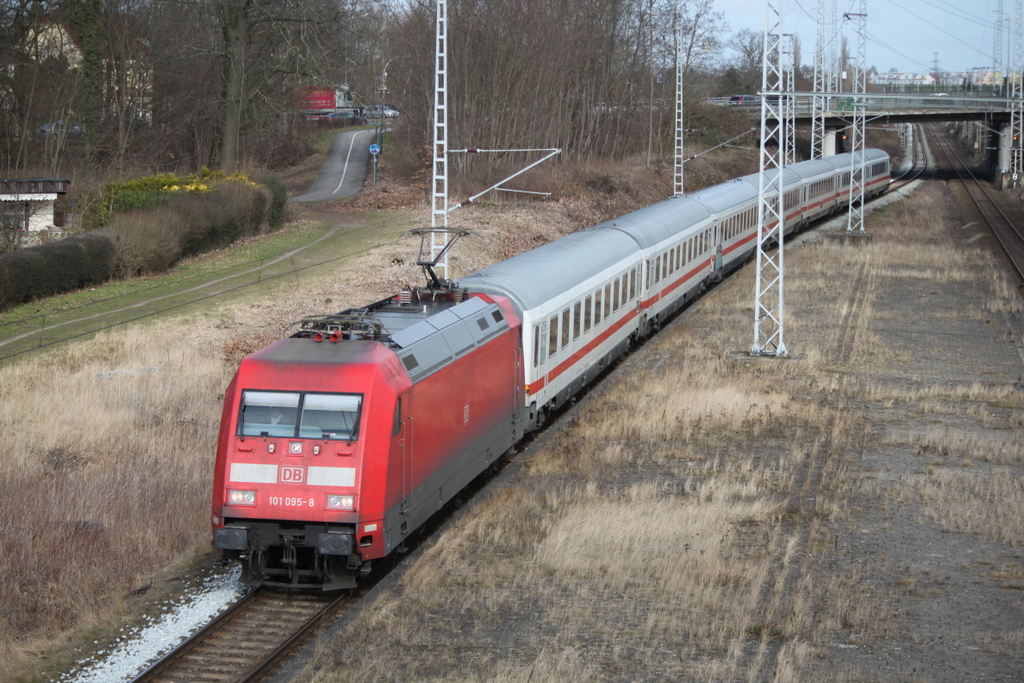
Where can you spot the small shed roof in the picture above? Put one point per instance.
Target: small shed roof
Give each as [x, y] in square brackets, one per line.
[22, 189]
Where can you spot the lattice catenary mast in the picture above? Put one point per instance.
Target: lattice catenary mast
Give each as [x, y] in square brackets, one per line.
[997, 42]
[768, 285]
[1017, 106]
[826, 78]
[439, 190]
[678, 183]
[855, 217]
[787, 103]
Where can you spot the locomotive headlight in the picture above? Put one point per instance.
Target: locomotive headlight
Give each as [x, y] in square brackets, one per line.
[336, 502]
[241, 497]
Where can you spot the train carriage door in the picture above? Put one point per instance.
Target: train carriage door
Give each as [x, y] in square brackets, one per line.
[716, 260]
[542, 372]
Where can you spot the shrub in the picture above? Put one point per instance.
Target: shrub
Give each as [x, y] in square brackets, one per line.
[187, 223]
[143, 193]
[278, 199]
[145, 241]
[57, 267]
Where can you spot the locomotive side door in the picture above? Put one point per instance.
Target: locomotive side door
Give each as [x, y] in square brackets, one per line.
[403, 416]
[518, 377]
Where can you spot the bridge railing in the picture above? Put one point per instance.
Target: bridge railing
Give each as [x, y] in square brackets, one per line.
[877, 103]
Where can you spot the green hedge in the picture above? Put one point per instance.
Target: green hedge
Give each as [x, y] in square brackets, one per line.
[53, 268]
[188, 223]
[156, 221]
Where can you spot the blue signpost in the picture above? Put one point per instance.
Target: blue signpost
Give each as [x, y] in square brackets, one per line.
[375, 150]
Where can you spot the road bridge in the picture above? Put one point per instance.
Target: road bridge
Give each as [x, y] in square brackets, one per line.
[991, 113]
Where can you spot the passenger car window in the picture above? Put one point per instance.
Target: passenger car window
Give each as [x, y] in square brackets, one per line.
[553, 336]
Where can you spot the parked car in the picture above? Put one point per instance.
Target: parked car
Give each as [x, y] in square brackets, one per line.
[374, 112]
[58, 128]
[737, 100]
[351, 116]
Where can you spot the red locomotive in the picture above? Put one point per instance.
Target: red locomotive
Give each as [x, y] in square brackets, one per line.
[338, 442]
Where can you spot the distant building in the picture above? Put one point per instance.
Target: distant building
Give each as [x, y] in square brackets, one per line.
[27, 214]
[958, 80]
[904, 79]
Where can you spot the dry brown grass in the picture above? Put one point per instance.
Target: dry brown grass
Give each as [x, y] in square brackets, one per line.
[108, 453]
[989, 503]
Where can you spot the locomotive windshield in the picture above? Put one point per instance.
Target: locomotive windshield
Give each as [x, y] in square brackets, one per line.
[303, 415]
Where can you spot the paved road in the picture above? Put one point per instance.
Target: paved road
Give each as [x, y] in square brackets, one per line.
[344, 169]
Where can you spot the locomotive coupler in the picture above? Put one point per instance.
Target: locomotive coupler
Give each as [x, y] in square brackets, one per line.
[288, 556]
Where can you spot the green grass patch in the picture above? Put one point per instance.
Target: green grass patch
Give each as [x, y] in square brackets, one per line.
[235, 273]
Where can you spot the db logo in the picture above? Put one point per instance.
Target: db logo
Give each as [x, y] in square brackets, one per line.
[292, 475]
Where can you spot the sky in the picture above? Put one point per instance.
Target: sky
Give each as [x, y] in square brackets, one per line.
[902, 34]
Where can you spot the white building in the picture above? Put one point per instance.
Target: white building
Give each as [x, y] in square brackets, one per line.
[26, 208]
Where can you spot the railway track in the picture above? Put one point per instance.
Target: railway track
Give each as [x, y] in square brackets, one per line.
[1007, 234]
[250, 641]
[917, 153]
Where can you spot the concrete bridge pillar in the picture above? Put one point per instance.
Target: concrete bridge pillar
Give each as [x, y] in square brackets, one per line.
[828, 145]
[1003, 159]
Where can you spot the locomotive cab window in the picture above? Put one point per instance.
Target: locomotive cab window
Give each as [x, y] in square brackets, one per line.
[291, 414]
[268, 413]
[330, 416]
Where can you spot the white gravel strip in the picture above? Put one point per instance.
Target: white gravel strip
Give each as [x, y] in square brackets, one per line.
[139, 646]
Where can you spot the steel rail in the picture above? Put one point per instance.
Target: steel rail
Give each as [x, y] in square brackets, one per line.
[916, 169]
[174, 665]
[947, 149]
[164, 663]
[294, 641]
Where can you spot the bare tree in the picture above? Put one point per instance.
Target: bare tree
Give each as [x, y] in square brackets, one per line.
[269, 48]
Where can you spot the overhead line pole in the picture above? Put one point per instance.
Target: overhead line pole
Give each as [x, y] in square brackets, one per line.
[855, 216]
[439, 189]
[1017, 110]
[997, 46]
[768, 284]
[678, 176]
[787, 101]
[818, 99]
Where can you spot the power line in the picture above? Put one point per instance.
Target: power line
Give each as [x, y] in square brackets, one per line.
[882, 44]
[939, 28]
